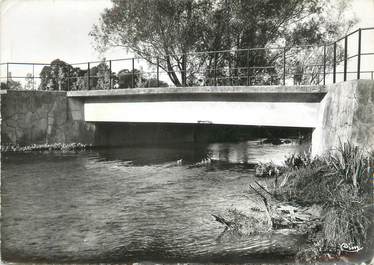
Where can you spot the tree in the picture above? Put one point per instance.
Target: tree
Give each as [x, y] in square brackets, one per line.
[56, 76]
[30, 83]
[127, 79]
[102, 76]
[99, 77]
[162, 33]
[11, 85]
[172, 30]
[152, 82]
[60, 75]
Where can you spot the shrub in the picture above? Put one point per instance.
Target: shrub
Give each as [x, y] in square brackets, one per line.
[341, 183]
[349, 163]
[268, 170]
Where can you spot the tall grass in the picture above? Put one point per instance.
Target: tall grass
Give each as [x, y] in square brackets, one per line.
[349, 163]
[339, 181]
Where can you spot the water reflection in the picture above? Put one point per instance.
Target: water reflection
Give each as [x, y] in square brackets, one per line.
[251, 152]
[243, 152]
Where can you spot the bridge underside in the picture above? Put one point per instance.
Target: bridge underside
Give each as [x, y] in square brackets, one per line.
[292, 106]
[291, 114]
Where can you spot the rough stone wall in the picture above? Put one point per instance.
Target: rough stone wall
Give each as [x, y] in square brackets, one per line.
[39, 117]
[346, 115]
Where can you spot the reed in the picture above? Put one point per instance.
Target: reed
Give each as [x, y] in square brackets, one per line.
[341, 182]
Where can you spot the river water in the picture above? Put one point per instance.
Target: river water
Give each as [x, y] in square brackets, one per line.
[151, 203]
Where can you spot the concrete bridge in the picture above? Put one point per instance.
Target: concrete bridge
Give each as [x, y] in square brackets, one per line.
[338, 112]
[285, 106]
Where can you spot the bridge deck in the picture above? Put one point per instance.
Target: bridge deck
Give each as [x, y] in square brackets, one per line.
[295, 106]
[226, 93]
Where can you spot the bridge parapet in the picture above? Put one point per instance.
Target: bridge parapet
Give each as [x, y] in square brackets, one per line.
[226, 93]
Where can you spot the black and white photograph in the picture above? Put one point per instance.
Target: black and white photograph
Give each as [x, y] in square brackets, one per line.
[187, 132]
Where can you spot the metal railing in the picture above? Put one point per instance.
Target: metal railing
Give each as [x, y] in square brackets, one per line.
[340, 60]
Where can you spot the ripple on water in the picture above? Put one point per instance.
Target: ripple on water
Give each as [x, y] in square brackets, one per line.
[117, 204]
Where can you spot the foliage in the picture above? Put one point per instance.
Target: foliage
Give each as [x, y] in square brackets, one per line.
[295, 161]
[340, 182]
[100, 76]
[11, 85]
[62, 76]
[162, 33]
[129, 79]
[30, 83]
[55, 76]
[347, 222]
[303, 160]
[349, 163]
[166, 29]
[268, 170]
[45, 147]
[152, 82]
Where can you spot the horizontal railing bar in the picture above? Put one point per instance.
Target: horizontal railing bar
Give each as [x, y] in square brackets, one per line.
[18, 77]
[124, 59]
[97, 76]
[14, 63]
[89, 62]
[353, 32]
[353, 56]
[368, 28]
[346, 36]
[367, 53]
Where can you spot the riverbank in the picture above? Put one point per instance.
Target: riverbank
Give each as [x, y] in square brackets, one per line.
[329, 199]
[45, 147]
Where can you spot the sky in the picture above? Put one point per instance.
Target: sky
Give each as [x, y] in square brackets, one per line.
[43, 30]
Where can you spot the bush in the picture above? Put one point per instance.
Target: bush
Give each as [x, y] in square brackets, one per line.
[341, 183]
[268, 170]
[45, 147]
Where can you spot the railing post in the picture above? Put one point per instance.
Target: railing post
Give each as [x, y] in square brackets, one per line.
[110, 74]
[284, 66]
[345, 57]
[69, 80]
[334, 67]
[230, 78]
[215, 68]
[324, 65]
[248, 67]
[158, 71]
[88, 77]
[7, 75]
[359, 54]
[33, 76]
[184, 70]
[133, 73]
